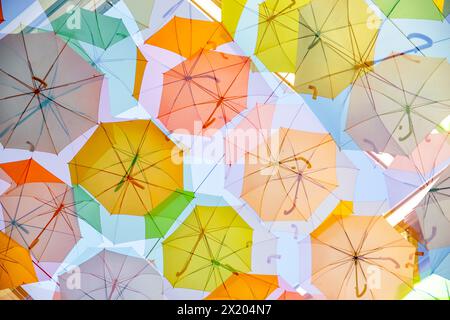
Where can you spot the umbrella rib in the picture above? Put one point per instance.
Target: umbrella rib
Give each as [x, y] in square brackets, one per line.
[373, 221]
[54, 62]
[68, 109]
[19, 120]
[18, 80]
[426, 80]
[72, 83]
[16, 96]
[392, 273]
[41, 108]
[30, 68]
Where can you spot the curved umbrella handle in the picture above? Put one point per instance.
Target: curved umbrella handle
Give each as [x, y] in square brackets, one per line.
[410, 131]
[42, 82]
[360, 294]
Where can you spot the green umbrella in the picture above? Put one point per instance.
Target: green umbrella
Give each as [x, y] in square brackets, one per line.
[93, 28]
[410, 9]
[160, 219]
[87, 208]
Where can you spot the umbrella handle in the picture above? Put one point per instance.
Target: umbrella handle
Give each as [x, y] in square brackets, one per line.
[31, 146]
[314, 43]
[315, 91]
[55, 214]
[433, 234]
[208, 123]
[409, 127]
[188, 261]
[286, 212]
[306, 161]
[360, 294]
[42, 82]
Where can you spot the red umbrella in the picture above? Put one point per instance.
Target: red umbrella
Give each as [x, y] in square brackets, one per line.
[204, 92]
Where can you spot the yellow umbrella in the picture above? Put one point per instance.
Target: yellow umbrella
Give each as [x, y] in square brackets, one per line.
[16, 267]
[212, 244]
[336, 46]
[278, 27]
[128, 166]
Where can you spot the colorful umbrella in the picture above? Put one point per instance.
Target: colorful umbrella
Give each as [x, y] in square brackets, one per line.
[49, 95]
[231, 14]
[254, 127]
[16, 267]
[160, 219]
[444, 7]
[141, 11]
[433, 213]
[361, 257]
[406, 176]
[112, 276]
[336, 46]
[393, 109]
[276, 25]
[128, 167]
[411, 9]
[188, 36]
[39, 212]
[278, 34]
[432, 287]
[25, 171]
[87, 208]
[241, 286]
[204, 92]
[211, 244]
[94, 28]
[105, 43]
[14, 294]
[290, 174]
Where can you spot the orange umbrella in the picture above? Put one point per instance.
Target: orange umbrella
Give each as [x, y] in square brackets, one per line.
[141, 64]
[14, 294]
[39, 211]
[361, 257]
[290, 174]
[204, 92]
[241, 286]
[187, 36]
[25, 171]
[292, 295]
[16, 267]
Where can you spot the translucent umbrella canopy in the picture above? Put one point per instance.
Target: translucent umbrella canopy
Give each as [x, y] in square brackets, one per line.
[433, 287]
[16, 267]
[394, 108]
[361, 257]
[112, 276]
[49, 95]
[336, 46]
[39, 211]
[208, 247]
[128, 167]
[204, 92]
[296, 168]
[186, 36]
[412, 9]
